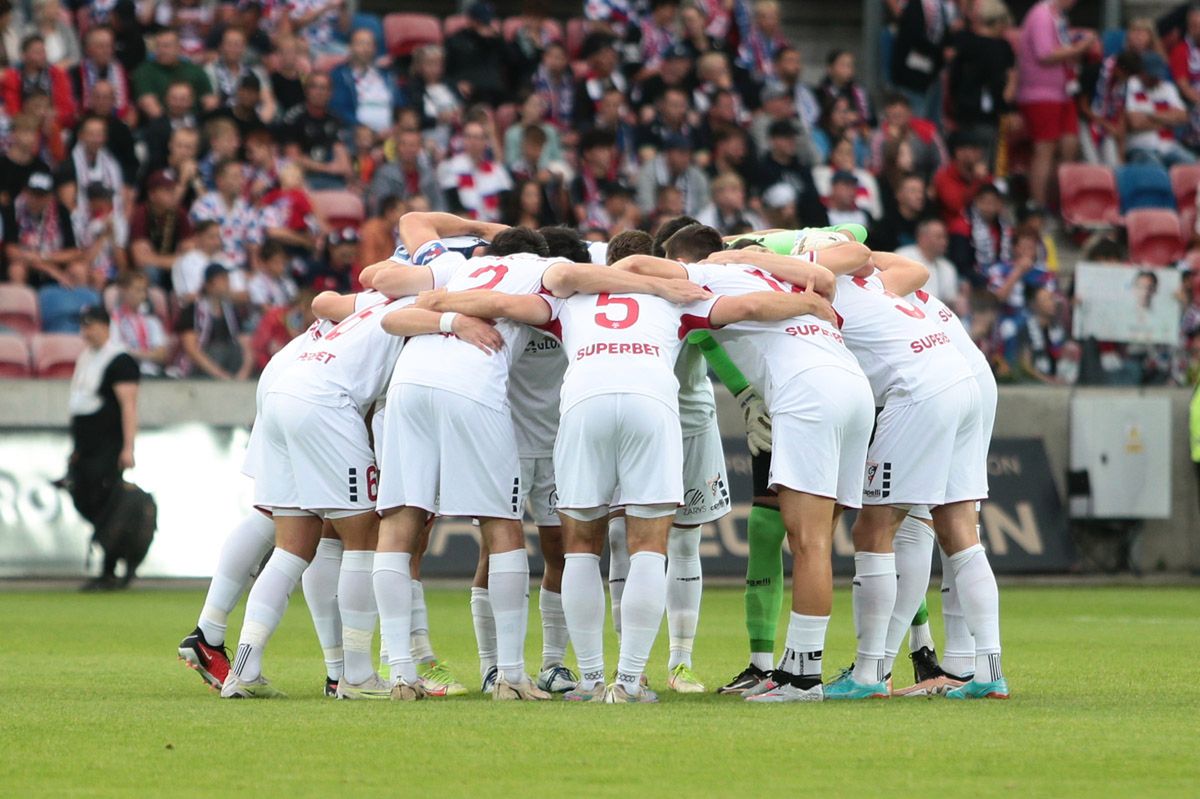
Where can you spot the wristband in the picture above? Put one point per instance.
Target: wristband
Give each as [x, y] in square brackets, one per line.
[446, 322]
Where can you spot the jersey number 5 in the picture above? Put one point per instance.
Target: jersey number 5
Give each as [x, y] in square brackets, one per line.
[627, 320]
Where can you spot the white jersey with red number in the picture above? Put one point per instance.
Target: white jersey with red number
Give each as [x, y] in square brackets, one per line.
[954, 328]
[351, 364]
[444, 361]
[904, 352]
[623, 344]
[534, 383]
[770, 354]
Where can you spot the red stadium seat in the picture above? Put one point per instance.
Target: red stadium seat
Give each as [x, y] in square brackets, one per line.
[14, 356]
[54, 354]
[576, 33]
[339, 207]
[404, 33]
[1155, 238]
[19, 309]
[1185, 178]
[454, 23]
[1089, 196]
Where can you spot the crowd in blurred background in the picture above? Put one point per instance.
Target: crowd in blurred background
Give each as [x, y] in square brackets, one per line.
[204, 168]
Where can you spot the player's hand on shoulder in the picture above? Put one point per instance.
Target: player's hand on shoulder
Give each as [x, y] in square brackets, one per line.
[821, 307]
[481, 333]
[726, 257]
[681, 291]
[431, 299]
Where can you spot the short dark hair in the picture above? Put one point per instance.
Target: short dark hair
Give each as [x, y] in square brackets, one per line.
[1147, 273]
[896, 98]
[629, 242]
[565, 242]
[31, 39]
[389, 203]
[534, 135]
[668, 229]
[224, 165]
[694, 243]
[519, 240]
[270, 249]
[596, 138]
[1130, 63]
[205, 225]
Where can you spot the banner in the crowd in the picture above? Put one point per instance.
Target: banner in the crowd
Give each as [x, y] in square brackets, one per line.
[1126, 304]
[193, 471]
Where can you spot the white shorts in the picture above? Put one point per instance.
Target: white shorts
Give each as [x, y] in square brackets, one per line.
[929, 452]
[252, 460]
[820, 428]
[538, 492]
[705, 481]
[315, 458]
[989, 395]
[619, 449]
[449, 454]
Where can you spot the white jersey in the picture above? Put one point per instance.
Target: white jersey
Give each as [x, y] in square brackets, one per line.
[463, 245]
[351, 364]
[771, 354]
[598, 252]
[534, 384]
[697, 405]
[623, 344]
[955, 329]
[444, 361]
[904, 352]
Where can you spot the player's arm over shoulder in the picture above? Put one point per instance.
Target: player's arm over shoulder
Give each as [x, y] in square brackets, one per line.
[900, 275]
[531, 309]
[563, 280]
[651, 266]
[769, 306]
[333, 306]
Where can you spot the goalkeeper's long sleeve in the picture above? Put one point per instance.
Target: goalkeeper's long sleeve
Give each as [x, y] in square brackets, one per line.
[719, 361]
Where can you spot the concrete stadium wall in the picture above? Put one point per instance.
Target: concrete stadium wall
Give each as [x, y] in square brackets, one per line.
[1171, 545]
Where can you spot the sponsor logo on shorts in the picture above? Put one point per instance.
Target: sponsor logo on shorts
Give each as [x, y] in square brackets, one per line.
[516, 495]
[693, 501]
[353, 484]
[552, 502]
[719, 491]
[879, 480]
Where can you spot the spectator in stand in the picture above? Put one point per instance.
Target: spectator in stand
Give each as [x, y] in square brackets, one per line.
[526, 206]
[697, 35]
[732, 153]
[90, 164]
[660, 32]
[20, 160]
[380, 233]
[1047, 58]
[1103, 138]
[178, 113]
[10, 36]
[62, 42]
[728, 212]
[102, 235]
[262, 163]
[192, 19]
[780, 165]
[281, 324]
[902, 215]
[140, 333]
[789, 75]
[471, 181]
[52, 137]
[598, 168]
[475, 57]
[555, 82]
[983, 75]
[525, 49]
[288, 215]
[930, 250]
[271, 285]
[922, 36]
[227, 72]
[673, 166]
[1185, 69]
[616, 17]
[841, 159]
[778, 105]
[187, 272]
[991, 230]
[412, 174]
[60, 302]
[1040, 338]
[118, 136]
[181, 160]
[955, 186]
[287, 79]
[36, 73]
[438, 103]
[241, 224]
[212, 334]
[1033, 217]
[131, 40]
[339, 271]
[779, 207]
[600, 51]
[839, 81]
[362, 93]
[39, 238]
[158, 228]
[921, 135]
[311, 136]
[532, 112]
[761, 38]
[674, 73]
[320, 24]
[224, 144]
[1009, 281]
[668, 119]
[99, 65]
[621, 211]
[152, 79]
[843, 201]
[837, 122]
[248, 17]
[1153, 110]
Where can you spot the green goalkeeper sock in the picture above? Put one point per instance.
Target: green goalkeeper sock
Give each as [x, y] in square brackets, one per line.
[922, 616]
[764, 577]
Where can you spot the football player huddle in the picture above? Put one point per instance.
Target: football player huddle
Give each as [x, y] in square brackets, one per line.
[487, 372]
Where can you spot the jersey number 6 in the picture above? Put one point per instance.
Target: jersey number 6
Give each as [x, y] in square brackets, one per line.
[630, 316]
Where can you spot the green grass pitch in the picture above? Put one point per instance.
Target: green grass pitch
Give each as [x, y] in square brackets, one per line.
[94, 703]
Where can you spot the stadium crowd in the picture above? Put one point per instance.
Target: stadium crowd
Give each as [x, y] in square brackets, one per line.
[205, 168]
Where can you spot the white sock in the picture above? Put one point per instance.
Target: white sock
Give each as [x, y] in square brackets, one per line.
[618, 568]
[805, 645]
[264, 609]
[875, 577]
[684, 586]
[320, 583]
[920, 637]
[485, 629]
[583, 610]
[356, 603]
[644, 603]
[422, 649]
[913, 546]
[980, 600]
[959, 656]
[392, 578]
[763, 661]
[508, 587]
[554, 628]
[244, 548]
